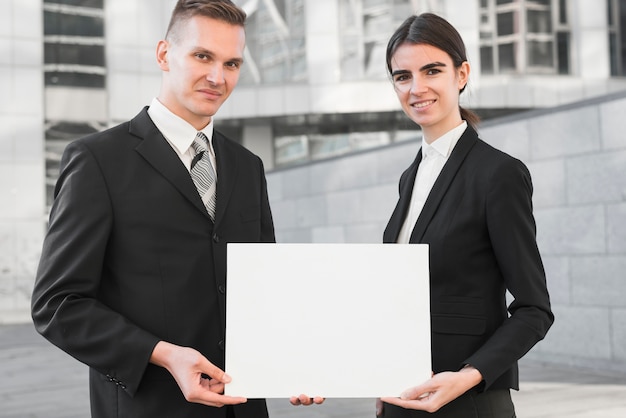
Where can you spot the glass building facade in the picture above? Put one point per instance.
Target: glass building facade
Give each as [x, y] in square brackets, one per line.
[526, 39]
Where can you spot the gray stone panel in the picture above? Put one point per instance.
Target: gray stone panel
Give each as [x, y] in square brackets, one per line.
[618, 322]
[616, 226]
[549, 179]
[599, 281]
[558, 279]
[274, 186]
[296, 235]
[612, 126]
[511, 137]
[326, 177]
[344, 207]
[579, 332]
[574, 231]
[311, 211]
[284, 214]
[597, 178]
[297, 184]
[379, 202]
[571, 132]
[328, 234]
[394, 160]
[369, 233]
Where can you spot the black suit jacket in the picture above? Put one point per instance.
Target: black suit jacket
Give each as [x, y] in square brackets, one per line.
[131, 257]
[479, 225]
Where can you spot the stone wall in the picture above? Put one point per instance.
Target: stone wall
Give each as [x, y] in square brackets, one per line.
[577, 156]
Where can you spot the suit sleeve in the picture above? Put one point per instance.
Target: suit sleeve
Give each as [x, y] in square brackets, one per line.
[512, 231]
[65, 306]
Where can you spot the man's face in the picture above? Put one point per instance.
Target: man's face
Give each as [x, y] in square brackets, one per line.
[201, 61]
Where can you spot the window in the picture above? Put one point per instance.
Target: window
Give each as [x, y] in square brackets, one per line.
[524, 37]
[275, 43]
[74, 60]
[74, 43]
[365, 27]
[617, 36]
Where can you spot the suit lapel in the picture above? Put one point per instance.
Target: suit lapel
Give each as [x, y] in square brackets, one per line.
[406, 190]
[442, 184]
[226, 173]
[155, 149]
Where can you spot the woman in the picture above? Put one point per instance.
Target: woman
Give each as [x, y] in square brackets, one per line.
[472, 204]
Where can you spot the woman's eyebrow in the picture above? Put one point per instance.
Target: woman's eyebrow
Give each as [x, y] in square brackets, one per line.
[432, 65]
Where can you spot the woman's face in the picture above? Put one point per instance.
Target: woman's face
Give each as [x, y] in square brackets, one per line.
[428, 86]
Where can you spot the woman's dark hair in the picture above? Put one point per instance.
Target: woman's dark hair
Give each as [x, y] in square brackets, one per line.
[430, 29]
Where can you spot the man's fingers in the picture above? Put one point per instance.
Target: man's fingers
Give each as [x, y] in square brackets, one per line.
[215, 372]
[306, 400]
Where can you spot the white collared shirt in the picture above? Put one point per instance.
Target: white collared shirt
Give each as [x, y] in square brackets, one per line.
[434, 157]
[179, 133]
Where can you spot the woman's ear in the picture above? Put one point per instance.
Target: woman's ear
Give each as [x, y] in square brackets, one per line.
[463, 73]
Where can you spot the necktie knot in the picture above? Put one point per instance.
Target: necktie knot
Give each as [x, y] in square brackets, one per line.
[200, 143]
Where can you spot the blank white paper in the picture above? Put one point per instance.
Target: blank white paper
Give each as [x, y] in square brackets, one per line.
[330, 320]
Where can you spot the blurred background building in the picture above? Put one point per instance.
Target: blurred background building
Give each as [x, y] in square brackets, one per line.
[315, 102]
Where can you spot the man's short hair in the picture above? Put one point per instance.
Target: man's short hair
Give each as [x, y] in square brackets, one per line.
[223, 10]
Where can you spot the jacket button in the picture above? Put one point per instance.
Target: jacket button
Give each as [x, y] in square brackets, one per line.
[216, 238]
[221, 344]
[221, 288]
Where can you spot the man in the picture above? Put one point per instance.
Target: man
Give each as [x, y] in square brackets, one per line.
[132, 275]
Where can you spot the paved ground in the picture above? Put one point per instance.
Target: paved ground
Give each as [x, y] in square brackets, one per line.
[38, 380]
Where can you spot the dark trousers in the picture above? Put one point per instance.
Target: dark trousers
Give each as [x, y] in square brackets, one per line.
[489, 404]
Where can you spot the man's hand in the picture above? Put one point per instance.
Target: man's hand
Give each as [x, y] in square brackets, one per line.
[440, 390]
[190, 369]
[305, 400]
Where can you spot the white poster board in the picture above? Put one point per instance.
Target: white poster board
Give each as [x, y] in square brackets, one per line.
[330, 320]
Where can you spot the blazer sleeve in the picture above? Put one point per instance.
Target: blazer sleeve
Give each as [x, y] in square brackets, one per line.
[512, 231]
[65, 306]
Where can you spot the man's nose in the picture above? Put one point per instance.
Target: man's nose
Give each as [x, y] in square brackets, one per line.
[215, 74]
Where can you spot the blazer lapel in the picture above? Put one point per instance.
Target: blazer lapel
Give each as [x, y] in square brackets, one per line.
[226, 173]
[155, 149]
[406, 190]
[442, 184]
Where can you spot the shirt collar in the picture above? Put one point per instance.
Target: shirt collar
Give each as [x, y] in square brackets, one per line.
[445, 143]
[175, 129]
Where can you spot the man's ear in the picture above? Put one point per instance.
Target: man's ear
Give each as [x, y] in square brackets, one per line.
[162, 55]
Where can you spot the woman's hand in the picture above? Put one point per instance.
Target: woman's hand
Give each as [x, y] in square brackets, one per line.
[440, 390]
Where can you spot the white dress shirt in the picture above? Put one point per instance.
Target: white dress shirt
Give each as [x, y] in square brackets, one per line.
[434, 157]
[179, 133]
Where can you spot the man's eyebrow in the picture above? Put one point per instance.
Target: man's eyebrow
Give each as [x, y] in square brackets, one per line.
[204, 51]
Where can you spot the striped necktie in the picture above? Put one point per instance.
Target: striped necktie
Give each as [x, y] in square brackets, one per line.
[203, 174]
